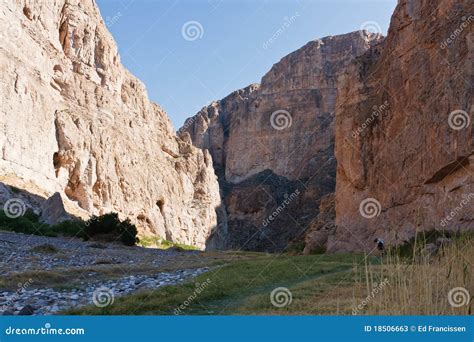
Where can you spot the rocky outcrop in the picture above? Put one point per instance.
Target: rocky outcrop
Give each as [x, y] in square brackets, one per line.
[322, 227]
[53, 211]
[404, 133]
[272, 144]
[76, 122]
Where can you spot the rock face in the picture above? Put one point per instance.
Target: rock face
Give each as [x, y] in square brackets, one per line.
[75, 121]
[53, 211]
[404, 132]
[317, 236]
[272, 144]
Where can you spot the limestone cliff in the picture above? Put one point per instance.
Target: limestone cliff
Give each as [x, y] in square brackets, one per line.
[75, 121]
[404, 132]
[273, 144]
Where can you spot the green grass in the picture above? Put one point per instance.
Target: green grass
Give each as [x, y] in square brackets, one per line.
[158, 242]
[328, 284]
[244, 287]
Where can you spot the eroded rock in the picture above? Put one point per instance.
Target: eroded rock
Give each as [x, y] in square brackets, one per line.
[74, 121]
[398, 145]
[271, 141]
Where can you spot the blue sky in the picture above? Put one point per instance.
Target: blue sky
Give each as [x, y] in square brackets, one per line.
[191, 52]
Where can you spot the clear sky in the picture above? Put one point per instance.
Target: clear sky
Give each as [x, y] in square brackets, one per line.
[191, 52]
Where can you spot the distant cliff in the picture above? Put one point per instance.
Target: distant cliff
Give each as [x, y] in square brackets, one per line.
[273, 144]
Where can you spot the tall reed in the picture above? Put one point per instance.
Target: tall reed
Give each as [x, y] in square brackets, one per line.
[431, 281]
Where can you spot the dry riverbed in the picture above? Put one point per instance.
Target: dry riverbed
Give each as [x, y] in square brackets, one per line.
[45, 275]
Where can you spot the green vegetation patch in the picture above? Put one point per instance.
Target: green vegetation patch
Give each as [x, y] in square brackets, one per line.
[158, 242]
[241, 287]
[107, 227]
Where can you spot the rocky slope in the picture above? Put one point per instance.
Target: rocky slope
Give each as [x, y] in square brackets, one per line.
[273, 144]
[404, 133]
[74, 121]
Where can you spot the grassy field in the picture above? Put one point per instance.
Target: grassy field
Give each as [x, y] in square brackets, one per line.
[319, 284]
[418, 282]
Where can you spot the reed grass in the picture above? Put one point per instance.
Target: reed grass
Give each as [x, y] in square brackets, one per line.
[421, 283]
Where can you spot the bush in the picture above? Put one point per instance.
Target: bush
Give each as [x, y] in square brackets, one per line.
[70, 228]
[128, 233]
[28, 223]
[110, 227]
[107, 226]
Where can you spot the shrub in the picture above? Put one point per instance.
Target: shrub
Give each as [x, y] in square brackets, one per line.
[110, 227]
[70, 228]
[107, 226]
[128, 233]
[28, 223]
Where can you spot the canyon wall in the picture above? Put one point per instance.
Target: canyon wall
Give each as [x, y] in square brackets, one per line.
[272, 144]
[404, 132]
[396, 114]
[74, 121]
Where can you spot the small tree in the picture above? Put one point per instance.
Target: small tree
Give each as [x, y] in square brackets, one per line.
[110, 226]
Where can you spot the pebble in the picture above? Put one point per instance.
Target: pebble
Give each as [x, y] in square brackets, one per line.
[18, 254]
[61, 300]
[27, 310]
